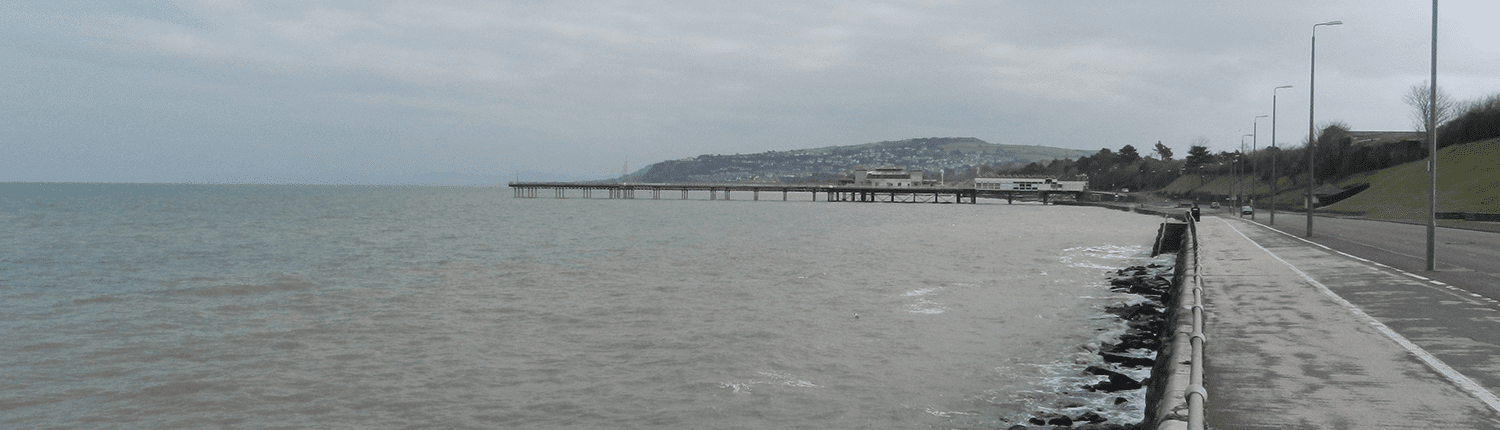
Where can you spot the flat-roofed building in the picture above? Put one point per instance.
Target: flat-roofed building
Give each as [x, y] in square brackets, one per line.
[1028, 184]
[888, 176]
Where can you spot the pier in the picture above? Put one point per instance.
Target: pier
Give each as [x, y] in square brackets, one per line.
[829, 193]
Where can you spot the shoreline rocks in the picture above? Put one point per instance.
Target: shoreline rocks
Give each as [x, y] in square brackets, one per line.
[1146, 322]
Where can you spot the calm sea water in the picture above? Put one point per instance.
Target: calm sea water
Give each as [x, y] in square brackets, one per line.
[275, 306]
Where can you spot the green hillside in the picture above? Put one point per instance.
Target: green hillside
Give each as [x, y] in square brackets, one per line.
[1468, 181]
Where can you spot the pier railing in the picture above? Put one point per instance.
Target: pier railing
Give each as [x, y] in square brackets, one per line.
[831, 192]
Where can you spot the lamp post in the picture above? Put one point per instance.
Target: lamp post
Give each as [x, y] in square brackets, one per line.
[1432, 144]
[1312, 138]
[1239, 193]
[1242, 156]
[1275, 180]
[1254, 146]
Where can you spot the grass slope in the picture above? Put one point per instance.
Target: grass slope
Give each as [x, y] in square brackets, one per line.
[1468, 181]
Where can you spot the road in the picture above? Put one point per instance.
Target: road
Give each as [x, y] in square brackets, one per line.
[1466, 259]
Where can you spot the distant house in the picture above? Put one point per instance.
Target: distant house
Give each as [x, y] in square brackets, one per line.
[1028, 184]
[1377, 137]
[889, 176]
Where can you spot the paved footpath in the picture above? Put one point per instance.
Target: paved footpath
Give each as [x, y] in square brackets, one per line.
[1303, 337]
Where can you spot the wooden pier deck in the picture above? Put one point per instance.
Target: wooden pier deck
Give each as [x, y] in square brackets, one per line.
[830, 193]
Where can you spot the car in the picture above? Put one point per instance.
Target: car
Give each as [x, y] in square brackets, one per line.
[1247, 211]
[1214, 205]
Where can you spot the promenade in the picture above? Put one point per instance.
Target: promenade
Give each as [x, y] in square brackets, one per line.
[1304, 337]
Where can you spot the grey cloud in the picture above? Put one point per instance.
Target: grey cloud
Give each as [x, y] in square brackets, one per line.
[302, 87]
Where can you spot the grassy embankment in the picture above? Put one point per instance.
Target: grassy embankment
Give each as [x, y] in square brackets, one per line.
[1468, 181]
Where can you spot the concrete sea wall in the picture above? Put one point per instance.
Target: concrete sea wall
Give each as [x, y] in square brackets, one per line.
[1172, 378]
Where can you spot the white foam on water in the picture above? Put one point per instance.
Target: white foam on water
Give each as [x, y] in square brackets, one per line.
[923, 305]
[1104, 257]
[767, 378]
[945, 414]
[920, 292]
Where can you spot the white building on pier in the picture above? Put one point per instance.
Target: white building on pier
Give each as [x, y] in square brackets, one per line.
[889, 176]
[1028, 184]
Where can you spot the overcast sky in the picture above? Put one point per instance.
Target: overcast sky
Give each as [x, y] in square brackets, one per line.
[191, 90]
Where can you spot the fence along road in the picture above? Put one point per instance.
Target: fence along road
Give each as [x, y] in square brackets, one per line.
[1301, 336]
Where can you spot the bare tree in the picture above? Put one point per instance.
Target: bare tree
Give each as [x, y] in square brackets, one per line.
[1421, 102]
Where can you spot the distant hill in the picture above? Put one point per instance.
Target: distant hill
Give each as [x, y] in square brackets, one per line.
[929, 154]
[429, 179]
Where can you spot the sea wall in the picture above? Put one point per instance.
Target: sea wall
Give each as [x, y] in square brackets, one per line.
[1171, 376]
[1163, 322]
[1165, 211]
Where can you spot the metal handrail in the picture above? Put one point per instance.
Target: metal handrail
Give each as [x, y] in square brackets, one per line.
[1196, 394]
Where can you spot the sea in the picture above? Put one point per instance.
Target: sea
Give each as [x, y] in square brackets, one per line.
[163, 306]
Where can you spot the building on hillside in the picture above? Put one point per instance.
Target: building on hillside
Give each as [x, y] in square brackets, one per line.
[890, 176]
[1028, 184]
[1376, 137]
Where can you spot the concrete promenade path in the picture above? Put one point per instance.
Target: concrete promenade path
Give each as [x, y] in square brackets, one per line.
[1304, 337]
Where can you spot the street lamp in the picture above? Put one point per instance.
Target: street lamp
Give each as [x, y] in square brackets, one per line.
[1239, 182]
[1254, 146]
[1432, 154]
[1275, 180]
[1312, 141]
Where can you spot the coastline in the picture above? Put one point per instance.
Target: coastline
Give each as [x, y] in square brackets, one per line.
[1151, 344]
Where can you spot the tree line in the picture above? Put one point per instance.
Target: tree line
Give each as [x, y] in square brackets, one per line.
[1337, 154]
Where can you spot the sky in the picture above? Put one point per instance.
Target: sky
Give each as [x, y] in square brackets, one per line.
[256, 91]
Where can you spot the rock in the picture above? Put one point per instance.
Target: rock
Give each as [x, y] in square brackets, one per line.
[1091, 417]
[1128, 361]
[1150, 286]
[1134, 339]
[1116, 382]
[1136, 311]
[1051, 419]
[1148, 323]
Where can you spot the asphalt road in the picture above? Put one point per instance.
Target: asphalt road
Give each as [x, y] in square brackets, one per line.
[1466, 259]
